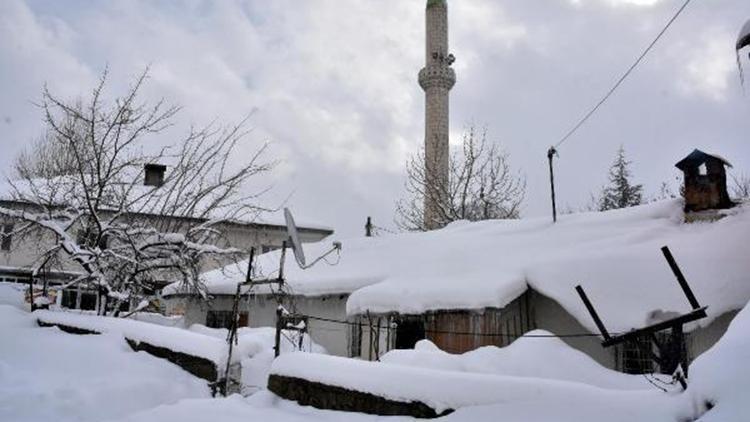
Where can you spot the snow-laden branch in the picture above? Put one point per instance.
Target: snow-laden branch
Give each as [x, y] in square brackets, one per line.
[83, 185]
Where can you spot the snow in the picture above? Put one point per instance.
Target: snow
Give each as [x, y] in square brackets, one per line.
[176, 339]
[13, 294]
[441, 389]
[46, 374]
[614, 255]
[721, 375]
[544, 358]
[258, 354]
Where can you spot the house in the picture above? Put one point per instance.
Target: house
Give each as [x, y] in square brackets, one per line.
[20, 255]
[482, 283]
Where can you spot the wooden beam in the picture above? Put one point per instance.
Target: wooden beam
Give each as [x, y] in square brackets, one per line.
[634, 334]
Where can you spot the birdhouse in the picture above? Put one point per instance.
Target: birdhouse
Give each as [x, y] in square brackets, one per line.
[705, 181]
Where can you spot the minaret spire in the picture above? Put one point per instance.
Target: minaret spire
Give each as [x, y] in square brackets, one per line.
[436, 79]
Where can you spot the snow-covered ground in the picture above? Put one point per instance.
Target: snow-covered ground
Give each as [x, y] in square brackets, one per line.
[46, 374]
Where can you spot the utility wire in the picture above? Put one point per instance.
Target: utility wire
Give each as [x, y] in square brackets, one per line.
[623, 77]
[464, 333]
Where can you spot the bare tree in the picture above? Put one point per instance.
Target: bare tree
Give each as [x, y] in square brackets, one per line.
[741, 186]
[481, 186]
[83, 186]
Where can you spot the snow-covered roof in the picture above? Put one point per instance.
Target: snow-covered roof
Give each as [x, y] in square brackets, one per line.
[698, 157]
[614, 255]
[146, 199]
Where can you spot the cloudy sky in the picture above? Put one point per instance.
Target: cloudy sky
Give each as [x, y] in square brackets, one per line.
[332, 85]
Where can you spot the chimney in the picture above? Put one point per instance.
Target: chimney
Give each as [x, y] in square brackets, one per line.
[705, 181]
[154, 174]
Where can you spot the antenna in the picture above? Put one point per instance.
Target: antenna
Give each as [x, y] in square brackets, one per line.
[296, 244]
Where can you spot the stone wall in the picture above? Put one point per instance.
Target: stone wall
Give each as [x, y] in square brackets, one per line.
[329, 397]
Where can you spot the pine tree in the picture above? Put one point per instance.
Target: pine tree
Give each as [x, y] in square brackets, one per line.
[620, 193]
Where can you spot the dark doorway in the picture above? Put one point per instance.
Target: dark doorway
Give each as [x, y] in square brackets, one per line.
[408, 332]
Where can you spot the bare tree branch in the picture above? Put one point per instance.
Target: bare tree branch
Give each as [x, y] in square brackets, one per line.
[82, 183]
[481, 186]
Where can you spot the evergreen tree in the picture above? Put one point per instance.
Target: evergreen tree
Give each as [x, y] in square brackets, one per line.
[620, 193]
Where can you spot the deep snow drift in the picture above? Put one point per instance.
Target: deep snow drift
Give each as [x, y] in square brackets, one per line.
[613, 254]
[46, 374]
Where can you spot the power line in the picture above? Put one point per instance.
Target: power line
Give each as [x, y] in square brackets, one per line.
[623, 77]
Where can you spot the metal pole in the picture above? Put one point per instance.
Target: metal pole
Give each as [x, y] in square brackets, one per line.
[680, 278]
[550, 154]
[593, 313]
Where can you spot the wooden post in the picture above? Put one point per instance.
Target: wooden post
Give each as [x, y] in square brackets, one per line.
[31, 293]
[377, 340]
[277, 339]
[281, 263]
[550, 154]
[232, 335]
[369, 336]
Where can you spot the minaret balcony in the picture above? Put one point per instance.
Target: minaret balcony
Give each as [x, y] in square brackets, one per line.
[437, 76]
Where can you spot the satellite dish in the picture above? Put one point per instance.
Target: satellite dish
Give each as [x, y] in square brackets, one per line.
[294, 241]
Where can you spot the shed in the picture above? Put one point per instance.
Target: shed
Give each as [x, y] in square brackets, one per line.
[705, 181]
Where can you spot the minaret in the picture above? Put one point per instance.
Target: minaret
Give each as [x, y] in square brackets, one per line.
[436, 78]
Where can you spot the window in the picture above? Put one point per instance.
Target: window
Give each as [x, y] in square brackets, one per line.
[267, 248]
[636, 358]
[87, 238]
[223, 319]
[154, 174]
[5, 243]
[409, 332]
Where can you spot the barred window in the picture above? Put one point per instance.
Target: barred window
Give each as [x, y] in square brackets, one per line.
[636, 358]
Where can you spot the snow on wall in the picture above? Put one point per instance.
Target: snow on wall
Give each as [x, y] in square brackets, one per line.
[615, 255]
